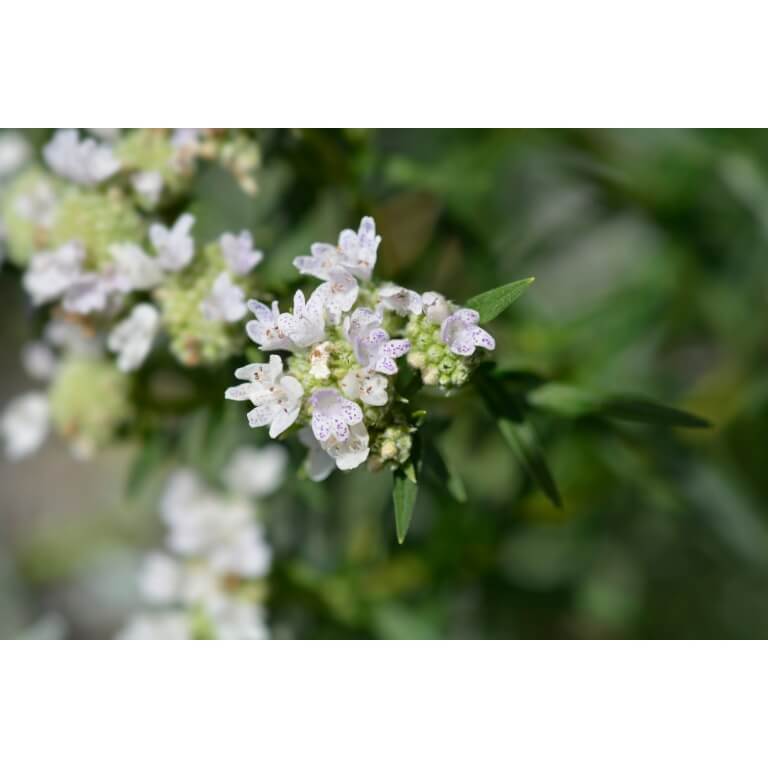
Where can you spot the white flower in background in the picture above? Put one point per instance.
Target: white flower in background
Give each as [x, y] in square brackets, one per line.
[106, 134]
[94, 291]
[148, 185]
[400, 300]
[186, 138]
[160, 578]
[339, 294]
[225, 302]
[256, 471]
[371, 343]
[306, 325]
[462, 335]
[39, 360]
[14, 151]
[132, 338]
[324, 258]
[365, 385]
[239, 252]
[51, 273]
[319, 464]
[332, 415]
[264, 330]
[240, 620]
[24, 424]
[38, 204]
[277, 397]
[71, 337]
[175, 246]
[140, 270]
[161, 625]
[85, 162]
[436, 307]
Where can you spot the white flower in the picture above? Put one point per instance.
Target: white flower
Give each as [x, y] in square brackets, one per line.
[132, 338]
[24, 424]
[319, 463]
[239, 620]
[160, 578]
[14, 151]
[264, 330]
[339, 294]
[400, 300]
[239, 252]
[356, 254]
[318, 360]
[365, 385]
[277, 397]
[84, 162]
[148, 185]
[39, 360]
[462, 334]
[175, 247]
[93, 291]
[225, 302]
[436, 307]
[306, 325]
[139, 269]
[332, 415]
[38, 204]
[164, 625]
[51, 273]
[256, 471]
[324, 457]
[70, 336]
[371, 343]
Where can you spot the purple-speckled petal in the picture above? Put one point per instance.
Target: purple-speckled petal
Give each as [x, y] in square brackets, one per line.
[352, 412]
[386, 365]
[483, 339]
[395, 347]
[321, 426]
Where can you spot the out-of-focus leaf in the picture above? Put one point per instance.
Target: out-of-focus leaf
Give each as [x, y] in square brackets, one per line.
[492, 303]
[522, 438]
[404, 492]
[148, 460]
[436, 465]
[564, 400]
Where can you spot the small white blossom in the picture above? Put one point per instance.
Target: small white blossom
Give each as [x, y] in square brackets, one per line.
[332, 415]
[132, 338]
[175, 246]
[160, 578]
[305, 326]
[38, 204]
[70, 336]
[39, 360]
[256, 471]
[239, 252]
[318, 360]
[51, 273]
[339, 294]
[148, 185]
[140, 270]
[352, 452]
[85, 162]
[94, 291]
[365, 385]
[14, 151]
[162, 625]
[24, 424]
[462, 334]
[319, 463]
[436, 307]
[264, 330]
[400, 300]
[277, 396]
[225, 302]
[240, 620]
[371, 343]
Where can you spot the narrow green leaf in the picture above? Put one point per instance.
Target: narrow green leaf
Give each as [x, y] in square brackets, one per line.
[525, 445]
[404, 492]
[492, 303]
[442, 472]
[147, 461]
[648, 412]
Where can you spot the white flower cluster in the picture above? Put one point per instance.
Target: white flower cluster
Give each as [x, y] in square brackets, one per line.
[208, 582]
[338, 379]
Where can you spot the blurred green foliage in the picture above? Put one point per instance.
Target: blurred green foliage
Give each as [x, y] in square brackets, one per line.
[649, 253]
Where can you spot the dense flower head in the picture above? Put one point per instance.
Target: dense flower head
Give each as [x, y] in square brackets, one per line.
[344, 347]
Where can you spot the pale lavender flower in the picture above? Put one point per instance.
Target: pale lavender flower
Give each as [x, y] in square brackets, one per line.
[400, 300]
[132, 338]
[365, 385]
[264, 330]
[14, 152]
[239, 252]
[319, 463]
[148, 185]
[332, 454]
[277, 396]
[332, 415]
[460, 331]
[339, 294]
[175, 246]
[38, 204]
[94, 291]
[51, 273]
[305, 326]
[24, 424]
[39, 360]
[371, 343]
[140, 270]
[85, 162]
[225, 302]
[160, 578]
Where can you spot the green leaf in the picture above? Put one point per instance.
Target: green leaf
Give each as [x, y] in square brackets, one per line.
[525, 445]
[404, 492]
[492, 303]
[442, 472]
[648, 412]
[148, 460]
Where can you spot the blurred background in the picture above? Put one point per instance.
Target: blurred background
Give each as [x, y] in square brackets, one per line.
[649, 252]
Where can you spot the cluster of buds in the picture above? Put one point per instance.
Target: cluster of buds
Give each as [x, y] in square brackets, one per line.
[209, 582]
[337, 384]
